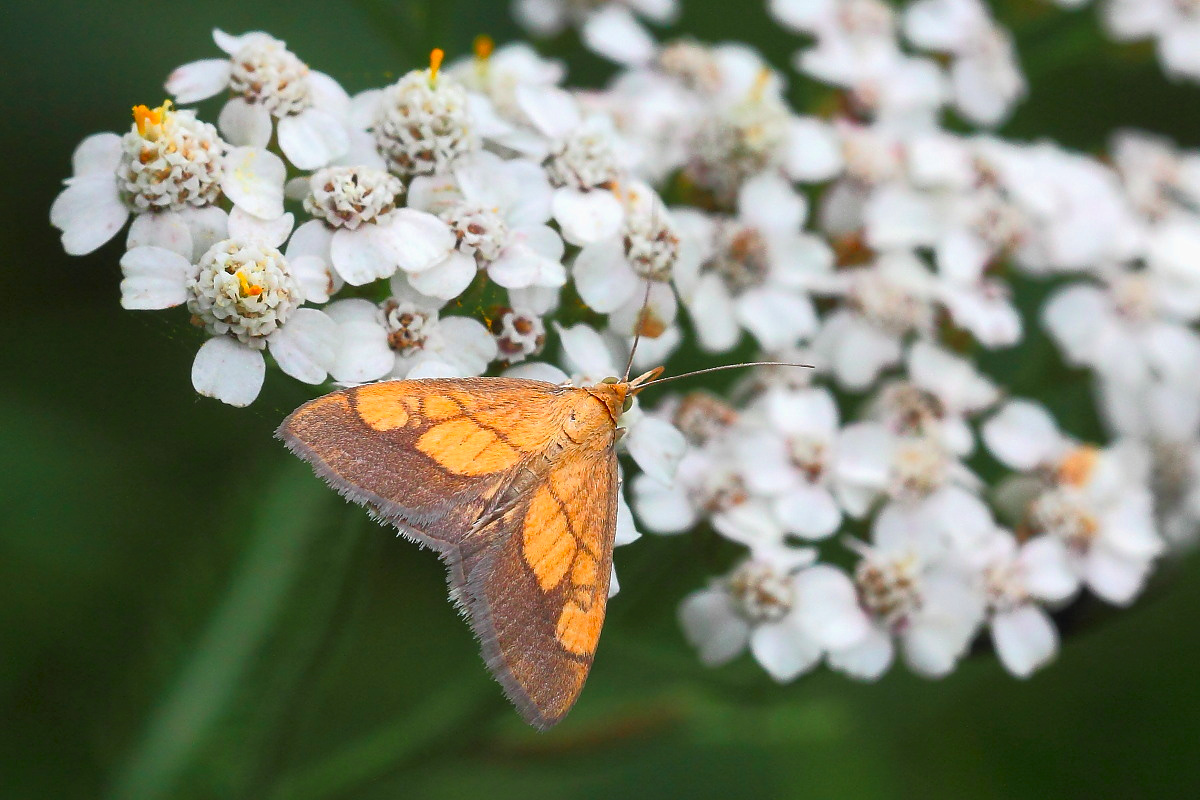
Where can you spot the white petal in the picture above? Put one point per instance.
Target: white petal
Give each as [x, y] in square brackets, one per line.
[587, 216]
[538, 371]
[768, 202]
[312, 138]
[161, 229]
[711, 310]
[809, 511]
[626, 531]
[550, 109]
[363, 255]
[248, 228]
[417, 239]
[89, 212]
[662, 509]
[306, 345]
[208, 225]
[813, 153]
[613, 33]
[363, 353]
[229, 371]
[198, 80]
[585, 350]
[657, 446]
[712, 626]
[1025, 639]
[604, 279]
[1022, 435]
[245, 124]
[783, 650]
[1115, 578]
[98, 154]
[154, 277]
[827, 607]
[448, 278]
[316, 280]
[1047, 569]
[778, 319]
[866, 660]
[468, 344]
[254, 180]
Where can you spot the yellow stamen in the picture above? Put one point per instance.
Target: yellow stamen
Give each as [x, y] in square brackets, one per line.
[146, 118]
[435, 62]
[1077, 466]
[248, 287]
[483, 47]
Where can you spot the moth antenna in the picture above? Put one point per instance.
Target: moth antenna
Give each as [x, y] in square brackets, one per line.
[637, 333]
[723, 367]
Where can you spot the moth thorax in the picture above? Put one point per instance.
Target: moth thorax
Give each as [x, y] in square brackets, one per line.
[760, 592]
[265, 72]
[407, 326]
[702, 417]
[1063, 514]
[889, 588]
[919, 466]
[908, 409]
[519, 334]
[742, 259]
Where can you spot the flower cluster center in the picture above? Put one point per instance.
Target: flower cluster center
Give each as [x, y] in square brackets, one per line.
[267, 73]
[347, 197]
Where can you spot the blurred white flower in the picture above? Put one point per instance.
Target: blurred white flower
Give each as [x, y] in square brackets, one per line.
[788, 613]
[756, 269]
[608, 27]
[933, 610]
[272, 91]
[1174, 25]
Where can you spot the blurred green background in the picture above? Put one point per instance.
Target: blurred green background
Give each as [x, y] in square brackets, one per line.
[185, 612]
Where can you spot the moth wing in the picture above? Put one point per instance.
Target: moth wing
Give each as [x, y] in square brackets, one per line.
[437, 458]
[538, 600]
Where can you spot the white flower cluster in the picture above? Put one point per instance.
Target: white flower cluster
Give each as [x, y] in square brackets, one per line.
[1174, 25]
[467, 216]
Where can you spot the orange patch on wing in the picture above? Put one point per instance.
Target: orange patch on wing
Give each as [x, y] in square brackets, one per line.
[578, 629]
[382, 410]
[548, 546]
[439, 407]
[464, 448]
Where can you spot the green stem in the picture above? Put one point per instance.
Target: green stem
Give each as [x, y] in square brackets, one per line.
[285, 523]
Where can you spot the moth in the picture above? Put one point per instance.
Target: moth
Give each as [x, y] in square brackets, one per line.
[514, 483]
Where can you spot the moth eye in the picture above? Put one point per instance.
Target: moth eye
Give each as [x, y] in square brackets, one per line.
[609, 380]
[628, 404]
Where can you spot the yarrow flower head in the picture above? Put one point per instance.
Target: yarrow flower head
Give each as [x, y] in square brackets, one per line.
[271, 91]
[423, 122]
